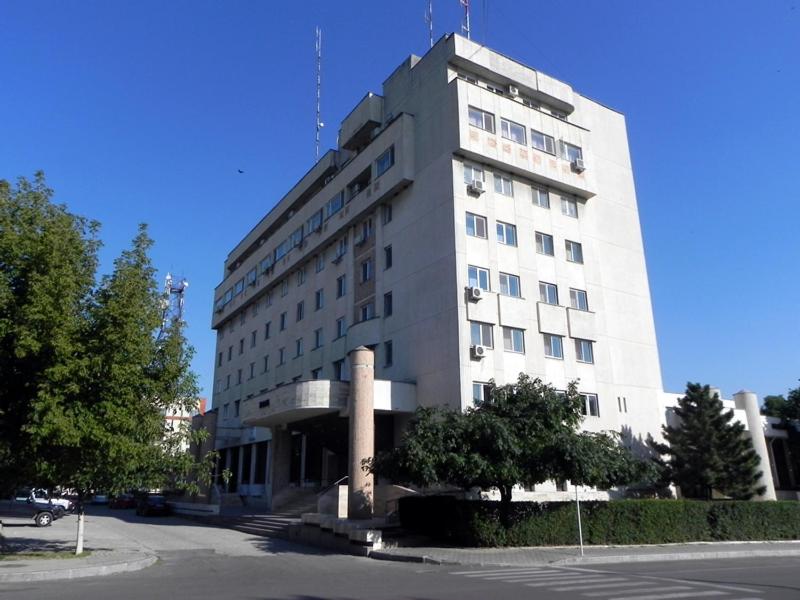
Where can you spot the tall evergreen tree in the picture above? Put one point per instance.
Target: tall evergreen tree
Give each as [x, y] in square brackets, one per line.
[709, 451]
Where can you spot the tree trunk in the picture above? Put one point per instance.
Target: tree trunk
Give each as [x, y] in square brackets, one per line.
[505, 505]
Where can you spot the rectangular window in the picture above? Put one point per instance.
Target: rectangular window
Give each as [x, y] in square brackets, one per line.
[318, 339]
[472, 173]
[298, 347]
[571, 152]
[569, 207]
[506, 233]
[314, 222]
[284, 287]
[238, 377]
[577, 299]
[341, 327]
[366, 270]
[341, 249]
[341, 286]
[513, 340]
[387, 257]
[386, 213]
[281, 356]
[230, 353]
[544, 243]
[228, 381]
[476, 225]
[238, 287]
[541, 197]
[367, 311]
[219, 359]
[481, 392]
[591, 406]
[266, 363]
[301, 309]
[481, 334]
[384, 162]
[481, 119]
[387, 305]
[583, 351]
[334, 205]
[553, 346]
[388, 354]
[266, 329]
[509, 285]
[512, 131]
[301, 277]
[320, 263]
[543, 142]
[478, 277]
[253, 335]
[316, 373]
[252, 370]
[319, 299]
[241, 346]
[283, 321]
[548, 293]
[503, 185]
[225, 411]
[574, 251]
[338, 370]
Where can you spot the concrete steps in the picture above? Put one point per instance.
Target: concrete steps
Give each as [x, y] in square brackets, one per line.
[278, 523]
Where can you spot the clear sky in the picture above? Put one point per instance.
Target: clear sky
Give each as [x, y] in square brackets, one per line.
[145, 111]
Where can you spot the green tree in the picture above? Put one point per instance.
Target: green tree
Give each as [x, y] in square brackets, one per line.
[709, 451]
[527, 433]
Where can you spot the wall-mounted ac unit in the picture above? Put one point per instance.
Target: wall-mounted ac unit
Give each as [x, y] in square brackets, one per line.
[578, 165]
[474, 294]
[477, 352]
[476, 186]
[513, 90]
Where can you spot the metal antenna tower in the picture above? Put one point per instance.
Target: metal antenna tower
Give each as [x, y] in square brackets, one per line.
[318, 47]
[172, 301]
[429, 21]
[465, 25]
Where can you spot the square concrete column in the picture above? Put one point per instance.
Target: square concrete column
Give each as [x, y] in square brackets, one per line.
[362, 433]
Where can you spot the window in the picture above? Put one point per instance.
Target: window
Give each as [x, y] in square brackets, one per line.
[481, 334]
[298, 347]
[238, 287]
[509, 285]
[255, 308]
[301, 309]
[367, 311]
[268, 299]
[238, 376]
[583, 351]
[541, 197]
[283, 321]
[481, 392]
[472, 173]
[266, 329]
[341, 327]
[544, 243]
[386, 213]
[622, 404]
[543, 142]
[316, 373]
[341, 249]
[366, 270]
[388, 308]
[388, 354]
[266, 363]
[252, 370]
[387, 257]
[569, 207]
[338, 370]
[334, 205]
[553, 347]
[241, 346]
[284, 287]
[476, 225]
[236, 405]
[513, 339]
[318, 340]
[242, 317]
[281, 356]
[228, 381]
[503, 185]
[506, 233]
[571, 152]
[548, 293]
[577, 299]
[253, 335]
[512, 131]
[478, 277]
[384, 162]
[219, 359]
[314, 222]
[481, 119]
[591, 406]
[320, 264]
[225, 411]
[301, 277]
[341, 286]
[319, 299]
[230, 353]
[574, 251]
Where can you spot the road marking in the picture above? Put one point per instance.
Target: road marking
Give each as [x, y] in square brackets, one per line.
[515, 572]
[499, 571]
[535, 576]
[617, 585]
[575, 580]
[593, 586]
[692, 594]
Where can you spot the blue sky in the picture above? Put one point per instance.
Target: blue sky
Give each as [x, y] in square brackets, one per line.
[144, 112]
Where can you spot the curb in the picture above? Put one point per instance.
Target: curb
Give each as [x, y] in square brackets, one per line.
[81, 571]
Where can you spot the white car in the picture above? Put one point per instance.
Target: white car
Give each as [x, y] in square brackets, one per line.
[43, 496]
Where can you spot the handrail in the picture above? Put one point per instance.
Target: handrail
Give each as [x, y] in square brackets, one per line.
[331, 486]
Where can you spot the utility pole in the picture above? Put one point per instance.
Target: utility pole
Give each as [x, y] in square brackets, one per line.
[320, 124]
[429, 21]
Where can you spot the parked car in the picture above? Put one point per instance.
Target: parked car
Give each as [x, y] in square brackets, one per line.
[123, 501]
[152, 504]
[43, 514]
[100, 498]
[44, 496]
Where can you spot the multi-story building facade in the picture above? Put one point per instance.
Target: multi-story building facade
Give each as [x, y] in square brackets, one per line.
[478, 220]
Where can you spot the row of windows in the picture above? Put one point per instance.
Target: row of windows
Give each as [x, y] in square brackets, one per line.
[482, 334]
[510, 286]
[507, 235]
[529, 102]
[482, 392]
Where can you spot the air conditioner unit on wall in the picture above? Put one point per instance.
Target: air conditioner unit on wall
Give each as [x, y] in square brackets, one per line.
[513, 90]
[477, 352]
[476, 187]
[474, 294]
[578, 165]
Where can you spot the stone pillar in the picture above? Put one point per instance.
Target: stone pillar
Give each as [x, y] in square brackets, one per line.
[253, 455]
[362, 433]
[748, 402]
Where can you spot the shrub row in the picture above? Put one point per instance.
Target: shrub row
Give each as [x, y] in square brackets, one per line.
[478, 523]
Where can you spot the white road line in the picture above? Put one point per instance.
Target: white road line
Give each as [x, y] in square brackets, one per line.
[593, 586]
[620, 585]
[692, 594]
[499, 571]
[576, 580]
[557, 580]
[537, 575]
[512, 573]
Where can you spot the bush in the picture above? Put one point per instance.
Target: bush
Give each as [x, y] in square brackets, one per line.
[478, 523]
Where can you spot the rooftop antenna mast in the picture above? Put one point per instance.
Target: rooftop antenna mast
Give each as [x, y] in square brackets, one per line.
[320, 124]
[429, 21]
[172, 301]
[465, 26]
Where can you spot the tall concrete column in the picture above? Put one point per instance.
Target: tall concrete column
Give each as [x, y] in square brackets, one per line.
[362, 433]
[748, 402]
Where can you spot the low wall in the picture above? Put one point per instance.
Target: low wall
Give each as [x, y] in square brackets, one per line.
[194, 509]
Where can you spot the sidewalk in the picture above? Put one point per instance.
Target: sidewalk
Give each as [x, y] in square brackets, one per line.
[101, 562]
[538, 556]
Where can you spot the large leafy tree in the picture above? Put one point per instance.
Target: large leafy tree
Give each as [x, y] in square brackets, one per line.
[708, 450]
[526, 433]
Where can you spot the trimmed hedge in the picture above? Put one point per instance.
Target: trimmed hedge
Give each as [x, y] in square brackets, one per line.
[477, 523]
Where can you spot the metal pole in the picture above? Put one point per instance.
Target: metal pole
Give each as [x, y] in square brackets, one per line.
[578, 511]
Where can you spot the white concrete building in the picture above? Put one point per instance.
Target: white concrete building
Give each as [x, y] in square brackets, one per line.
[478, 220]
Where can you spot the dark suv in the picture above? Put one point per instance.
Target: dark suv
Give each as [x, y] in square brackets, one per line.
[17, 508]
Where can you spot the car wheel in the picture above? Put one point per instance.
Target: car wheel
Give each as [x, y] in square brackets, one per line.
[44, 519]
